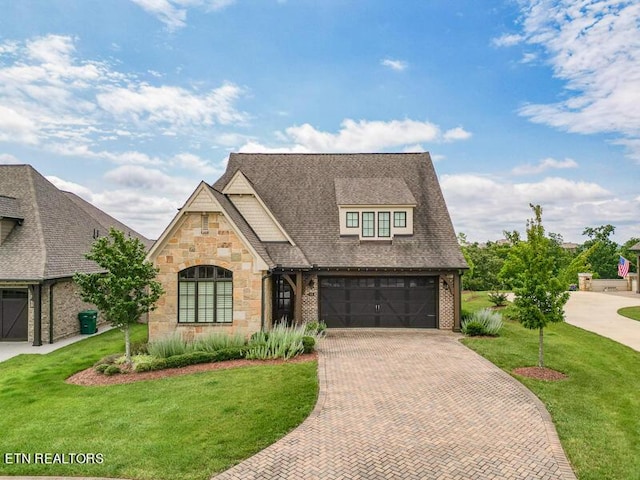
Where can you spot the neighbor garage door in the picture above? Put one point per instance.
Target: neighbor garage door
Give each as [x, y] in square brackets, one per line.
[378, 302]
[13, 314]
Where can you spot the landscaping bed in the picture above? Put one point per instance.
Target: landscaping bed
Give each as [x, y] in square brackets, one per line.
[90, 377]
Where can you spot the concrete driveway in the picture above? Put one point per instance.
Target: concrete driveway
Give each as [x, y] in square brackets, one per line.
[413, 404]
[596, 312]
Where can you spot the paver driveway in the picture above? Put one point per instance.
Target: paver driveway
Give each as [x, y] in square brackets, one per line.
[412, 405]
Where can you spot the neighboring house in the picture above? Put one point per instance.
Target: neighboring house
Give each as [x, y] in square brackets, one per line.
[44, 235]
[355, 240]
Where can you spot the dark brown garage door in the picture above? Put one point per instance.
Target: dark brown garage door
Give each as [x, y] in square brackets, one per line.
[13, 314]
[386, 302]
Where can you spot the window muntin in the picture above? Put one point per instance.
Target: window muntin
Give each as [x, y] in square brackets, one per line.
[384, 224]
[353, 219]
[368, 224]
[205, 295]
[400, 219]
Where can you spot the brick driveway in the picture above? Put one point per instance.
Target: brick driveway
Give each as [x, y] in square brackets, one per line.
[412, 405]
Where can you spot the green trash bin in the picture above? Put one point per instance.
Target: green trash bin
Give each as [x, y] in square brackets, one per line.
[88, 321]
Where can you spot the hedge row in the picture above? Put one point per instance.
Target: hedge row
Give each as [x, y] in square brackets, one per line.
[178, 361]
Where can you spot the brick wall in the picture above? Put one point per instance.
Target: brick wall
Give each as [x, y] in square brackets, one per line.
[310, 297]
[186, 247]
[446, 312]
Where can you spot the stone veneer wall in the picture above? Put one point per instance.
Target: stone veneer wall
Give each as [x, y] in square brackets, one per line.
[310, 297]
[446, 311]
[188, 246]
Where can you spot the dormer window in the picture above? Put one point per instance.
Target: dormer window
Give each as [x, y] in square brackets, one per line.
[374, 208]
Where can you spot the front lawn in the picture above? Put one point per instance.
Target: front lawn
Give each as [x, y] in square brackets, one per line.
[595, 411]
[630, 312]
[186, 427]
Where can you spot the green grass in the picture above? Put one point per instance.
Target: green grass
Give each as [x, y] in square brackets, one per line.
[596, 410]
[630, 312]
[472, 301]
[186, 427]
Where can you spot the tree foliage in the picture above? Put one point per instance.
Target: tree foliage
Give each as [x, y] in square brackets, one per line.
[540, 296]
[604, 254]
[127, 289]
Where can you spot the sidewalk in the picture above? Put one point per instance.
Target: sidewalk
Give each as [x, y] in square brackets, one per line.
[13, 349]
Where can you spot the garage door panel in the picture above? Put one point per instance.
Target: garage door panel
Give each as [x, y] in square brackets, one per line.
[13, 314]
[378, 302]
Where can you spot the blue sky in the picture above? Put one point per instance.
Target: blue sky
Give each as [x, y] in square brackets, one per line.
[130, 103]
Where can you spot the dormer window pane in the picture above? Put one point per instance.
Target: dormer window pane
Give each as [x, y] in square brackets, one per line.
[384, 224]
[368, 224]
[400, 219]
[353, 220]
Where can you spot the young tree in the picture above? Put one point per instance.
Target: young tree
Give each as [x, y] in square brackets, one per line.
[127, 289]
[540, 297]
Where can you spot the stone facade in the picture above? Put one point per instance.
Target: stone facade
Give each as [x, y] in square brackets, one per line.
[187, 246]
[446, 309]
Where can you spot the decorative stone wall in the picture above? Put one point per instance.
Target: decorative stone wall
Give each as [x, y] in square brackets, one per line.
[446, 308]
[310, 297]
[188, 246]
[584, 281]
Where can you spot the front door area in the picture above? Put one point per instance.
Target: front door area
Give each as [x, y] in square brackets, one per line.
[13, 314]
[384, 302]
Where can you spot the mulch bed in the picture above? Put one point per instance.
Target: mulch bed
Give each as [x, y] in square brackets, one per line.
[90, 377]
[540, 373]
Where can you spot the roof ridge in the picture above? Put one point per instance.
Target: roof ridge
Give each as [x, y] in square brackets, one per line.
[43, 244]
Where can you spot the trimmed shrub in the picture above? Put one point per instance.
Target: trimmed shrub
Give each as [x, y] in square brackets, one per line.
[112, 370]
[315, 328]
[109, 359]
[308, 343]
[499, 299]
[101, 368]
[473, 328]
[482, 322]
[193, 358]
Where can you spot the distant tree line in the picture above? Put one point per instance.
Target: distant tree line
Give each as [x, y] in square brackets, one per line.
[497, 265]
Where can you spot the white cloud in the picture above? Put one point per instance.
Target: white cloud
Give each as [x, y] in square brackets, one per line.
[484, 206]
[173, 13]
[507, 40]
[194, 163]
[457, 133]
[137, 177]
[7, 159]
[544, 165]
[594, 47]
[72, 187]
[361, 136]
[173, 105]
[15, 126]
[397, 65]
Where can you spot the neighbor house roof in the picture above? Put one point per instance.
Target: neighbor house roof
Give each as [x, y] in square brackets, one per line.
[304, 190]
[58, 228]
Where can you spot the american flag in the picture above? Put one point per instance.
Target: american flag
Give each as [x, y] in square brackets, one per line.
[623, 267]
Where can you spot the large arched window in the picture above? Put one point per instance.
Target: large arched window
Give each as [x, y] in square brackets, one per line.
[205, 295]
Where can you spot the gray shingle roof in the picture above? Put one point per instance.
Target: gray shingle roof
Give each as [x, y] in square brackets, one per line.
[300, 190]
[373, 191]
[10, 208]
[57, 230]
